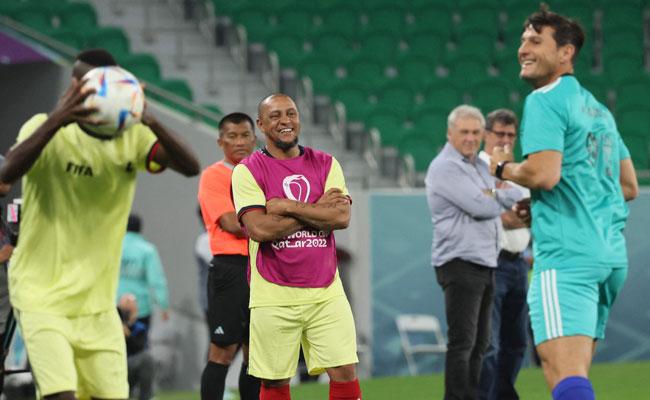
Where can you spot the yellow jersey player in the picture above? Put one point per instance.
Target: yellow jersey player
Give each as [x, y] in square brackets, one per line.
[77, 194]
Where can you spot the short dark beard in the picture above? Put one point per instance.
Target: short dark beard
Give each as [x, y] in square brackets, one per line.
[285, 146]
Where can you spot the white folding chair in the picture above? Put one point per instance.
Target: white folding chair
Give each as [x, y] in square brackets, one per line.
[419, 323]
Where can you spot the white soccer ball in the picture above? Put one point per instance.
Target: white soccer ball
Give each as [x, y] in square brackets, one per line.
[118, 97]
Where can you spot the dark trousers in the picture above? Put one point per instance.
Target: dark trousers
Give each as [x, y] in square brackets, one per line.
[141, 374]
[508, 340]
[469, 289]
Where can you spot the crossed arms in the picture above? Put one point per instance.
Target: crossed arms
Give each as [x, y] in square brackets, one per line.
[283, 217]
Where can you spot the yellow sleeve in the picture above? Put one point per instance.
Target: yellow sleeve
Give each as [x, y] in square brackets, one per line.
[143, 141]
[335, 178]
[246, 193]
[25, 132]
[30, 127]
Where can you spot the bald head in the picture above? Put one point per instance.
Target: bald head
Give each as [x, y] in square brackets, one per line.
[269, 100]
[279, 120]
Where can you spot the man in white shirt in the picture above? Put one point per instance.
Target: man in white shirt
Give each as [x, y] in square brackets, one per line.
[508, 340]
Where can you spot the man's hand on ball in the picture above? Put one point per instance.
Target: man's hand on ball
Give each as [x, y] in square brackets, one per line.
[70, 107]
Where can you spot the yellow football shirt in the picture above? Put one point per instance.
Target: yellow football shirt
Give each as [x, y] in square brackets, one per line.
[246, 194]
[76, 201]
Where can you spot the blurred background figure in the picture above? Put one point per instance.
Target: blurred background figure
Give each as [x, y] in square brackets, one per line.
[141, 273]
[227, 287]
[139, 360]
[203, 256]
[508, 338]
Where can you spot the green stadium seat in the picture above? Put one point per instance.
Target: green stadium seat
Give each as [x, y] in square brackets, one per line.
[110, 38]
[441, 33]
[7, 8]
[368, 69]
[179, 87]
[227, 7]
[354, 95]
[597, 85]
[622, 41]
[431, 122]
[621, 66]
[33, 16]
[639, 150]
[216, 110]
[53, 6]
[299, 22]
[398, 97]
[621, 16]
[342, 20]
[310, 7]
[433, 17]
[417, 71]
[476, 43]
[583, 66]
[466, 70]
[257, 23]
[491, 94]
[479, 16]
[329, 5]
[275, 7]
[175, 86]
[389, 18]
[321, 72]
[143, 66]
[381, 45]
[580, 11]
[374, 4]
[418, 4]
[78, 16]
[633, 92]
[69, 37]
[511, 37]
[288, 46]
[390, 125]
[334, 46]
[504, 55]
[634, 119]
[509, 69]
[443, 94]
[213, 107]
[421, 149]
[516, 14]
[464, 4]
[428, 44]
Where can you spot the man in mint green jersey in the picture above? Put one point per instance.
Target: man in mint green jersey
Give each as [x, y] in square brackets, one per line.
[574, 155]
[77, 194]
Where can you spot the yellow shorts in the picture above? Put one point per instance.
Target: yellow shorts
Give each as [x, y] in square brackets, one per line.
[325, 330]
[85, 354]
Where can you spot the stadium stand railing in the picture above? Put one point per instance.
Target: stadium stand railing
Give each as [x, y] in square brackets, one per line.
[52, 32]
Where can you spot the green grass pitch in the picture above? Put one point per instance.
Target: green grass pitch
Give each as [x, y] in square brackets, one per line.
[624, 381]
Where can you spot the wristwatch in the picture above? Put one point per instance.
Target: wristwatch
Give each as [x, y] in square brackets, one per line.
[500, 166]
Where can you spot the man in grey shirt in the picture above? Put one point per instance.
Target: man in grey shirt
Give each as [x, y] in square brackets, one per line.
[465, 205]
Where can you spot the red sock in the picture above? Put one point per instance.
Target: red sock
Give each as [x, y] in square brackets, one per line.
[275, 393]
[345, 390]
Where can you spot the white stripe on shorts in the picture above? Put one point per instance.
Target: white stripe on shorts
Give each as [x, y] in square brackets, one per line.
[551, 304]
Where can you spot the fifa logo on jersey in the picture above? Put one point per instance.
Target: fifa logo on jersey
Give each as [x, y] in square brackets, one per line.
[296, 187]
[79, 170]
